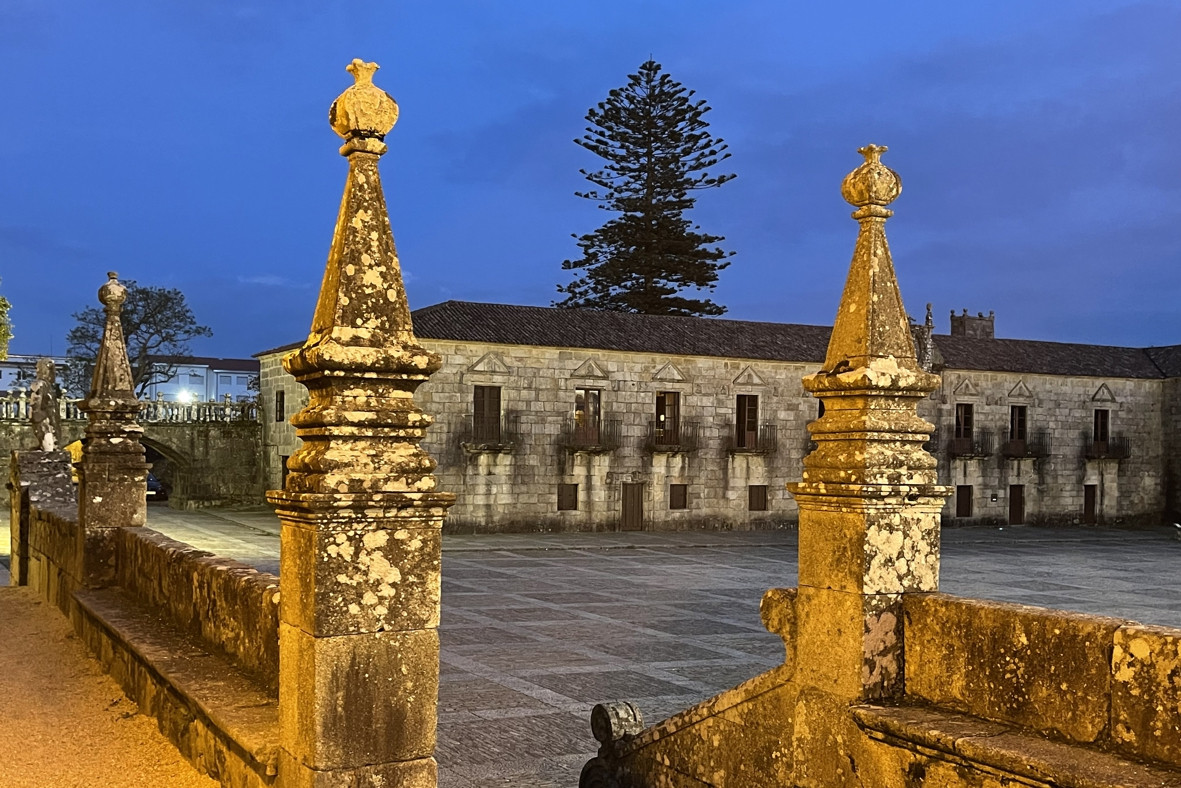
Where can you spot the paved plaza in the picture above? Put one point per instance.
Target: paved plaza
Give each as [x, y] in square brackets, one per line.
[538, 628]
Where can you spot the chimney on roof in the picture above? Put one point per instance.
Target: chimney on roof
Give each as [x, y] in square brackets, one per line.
[980, 326]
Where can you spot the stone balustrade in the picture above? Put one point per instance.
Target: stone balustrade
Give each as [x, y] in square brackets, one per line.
[16, 407]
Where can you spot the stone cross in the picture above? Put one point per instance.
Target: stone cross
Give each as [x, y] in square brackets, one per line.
[869, 499]
[112, 489]
[43, 411]
[361, 518]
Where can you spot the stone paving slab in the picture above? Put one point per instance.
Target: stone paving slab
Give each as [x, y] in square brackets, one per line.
[538, 627]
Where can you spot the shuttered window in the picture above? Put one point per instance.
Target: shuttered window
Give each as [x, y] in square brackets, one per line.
[567, 497]
[678, 496]
[756, 497]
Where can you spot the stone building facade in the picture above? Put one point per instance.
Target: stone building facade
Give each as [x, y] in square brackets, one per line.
[569, 420]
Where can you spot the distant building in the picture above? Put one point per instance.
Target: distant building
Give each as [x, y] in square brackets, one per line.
[550, 419]
[199, 379]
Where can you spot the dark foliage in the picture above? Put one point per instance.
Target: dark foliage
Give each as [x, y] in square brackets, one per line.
[658, 151]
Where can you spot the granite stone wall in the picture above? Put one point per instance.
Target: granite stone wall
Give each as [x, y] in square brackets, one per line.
[515, 486]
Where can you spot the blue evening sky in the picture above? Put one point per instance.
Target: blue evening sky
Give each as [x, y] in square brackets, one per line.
[186, 144]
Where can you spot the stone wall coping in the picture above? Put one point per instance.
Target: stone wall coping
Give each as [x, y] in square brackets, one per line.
[968, 740]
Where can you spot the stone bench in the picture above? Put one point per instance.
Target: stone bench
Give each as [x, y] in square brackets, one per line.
[962, 740]
[221, 718]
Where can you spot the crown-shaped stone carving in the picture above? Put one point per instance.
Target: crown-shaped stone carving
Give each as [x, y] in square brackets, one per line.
[872, 184]
[364, 113]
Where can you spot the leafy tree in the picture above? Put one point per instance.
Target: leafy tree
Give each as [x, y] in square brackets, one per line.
[5, 327]
[157, 325]
[658, 151]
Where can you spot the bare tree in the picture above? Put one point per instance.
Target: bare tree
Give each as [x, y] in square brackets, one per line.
[158, 326]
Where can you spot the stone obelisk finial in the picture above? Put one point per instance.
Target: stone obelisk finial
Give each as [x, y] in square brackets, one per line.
[361, 519]
[112, 490]
[869, 499]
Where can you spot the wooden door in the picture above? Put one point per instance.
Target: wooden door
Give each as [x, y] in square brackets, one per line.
[1090, 503]
[1016, 504]
[632, 515]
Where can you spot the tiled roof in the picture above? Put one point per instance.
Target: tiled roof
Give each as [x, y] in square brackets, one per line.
[506, 324]
[585, 328]
[1167, 359]
[1045, 358]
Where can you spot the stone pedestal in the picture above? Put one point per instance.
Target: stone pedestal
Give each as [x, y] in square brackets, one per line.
[869, 499]
[361, 520]
[112, 476]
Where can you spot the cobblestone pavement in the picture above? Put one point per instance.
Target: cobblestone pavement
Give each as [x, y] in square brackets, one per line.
[538, 628]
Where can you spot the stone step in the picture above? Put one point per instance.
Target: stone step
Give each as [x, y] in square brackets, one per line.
[974, 742]
[222, 720]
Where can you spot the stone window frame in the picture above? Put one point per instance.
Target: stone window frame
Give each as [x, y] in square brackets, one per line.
[678, 497]
[758, 498]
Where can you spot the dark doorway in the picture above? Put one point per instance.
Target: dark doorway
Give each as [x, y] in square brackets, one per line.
[1016, 504]
[1090, 503]
[632, 516]
[963, 500]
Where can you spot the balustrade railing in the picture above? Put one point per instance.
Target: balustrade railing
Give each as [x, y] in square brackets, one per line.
[761, 441]
[1116, 447]
[580, 436]
[16, 407]
[675, 436]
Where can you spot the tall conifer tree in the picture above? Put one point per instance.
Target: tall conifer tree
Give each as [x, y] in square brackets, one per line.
[658, 151]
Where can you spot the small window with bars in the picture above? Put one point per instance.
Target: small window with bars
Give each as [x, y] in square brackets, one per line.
[280, 405]
[678, 496]
[756, 498]
[567, 497]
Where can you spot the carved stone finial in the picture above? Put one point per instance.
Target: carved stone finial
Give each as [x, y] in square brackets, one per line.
[43, 406]
[112, 294]
[364, 113]
[873, 185]
[930, 321]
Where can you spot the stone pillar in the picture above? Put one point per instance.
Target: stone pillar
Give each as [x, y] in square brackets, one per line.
[112, 476]
[361, 519]
[869, 499]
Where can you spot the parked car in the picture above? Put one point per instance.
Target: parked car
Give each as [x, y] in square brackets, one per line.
[156, 490]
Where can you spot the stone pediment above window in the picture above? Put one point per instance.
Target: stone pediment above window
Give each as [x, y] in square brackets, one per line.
[491, 364]
[669, 374]
[1103, 394]
[589, 369]
[1021, 391]
[748, 377]
[490, 368]
[965, 388]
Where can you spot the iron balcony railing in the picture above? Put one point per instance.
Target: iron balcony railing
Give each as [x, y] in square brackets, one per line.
[979, 444]
[1035, 444]
[591, 437]
[489, 433]
[764, 440]
[675, 436]
[1116, 447]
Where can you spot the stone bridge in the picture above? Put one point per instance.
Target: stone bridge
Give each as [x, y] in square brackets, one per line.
[204, 453]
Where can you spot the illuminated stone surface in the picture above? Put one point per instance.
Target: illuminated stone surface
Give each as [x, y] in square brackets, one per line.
[359, 654]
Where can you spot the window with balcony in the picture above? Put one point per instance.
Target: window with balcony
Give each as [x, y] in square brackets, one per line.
[588, 417]
[486, 426]
[747, 421]
[668, 416]
[1102, 426]
[963, 421]
[1017, 422]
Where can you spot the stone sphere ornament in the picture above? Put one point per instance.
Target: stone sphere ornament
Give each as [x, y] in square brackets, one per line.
[112, 294]
[364, 113]
[872, 183]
